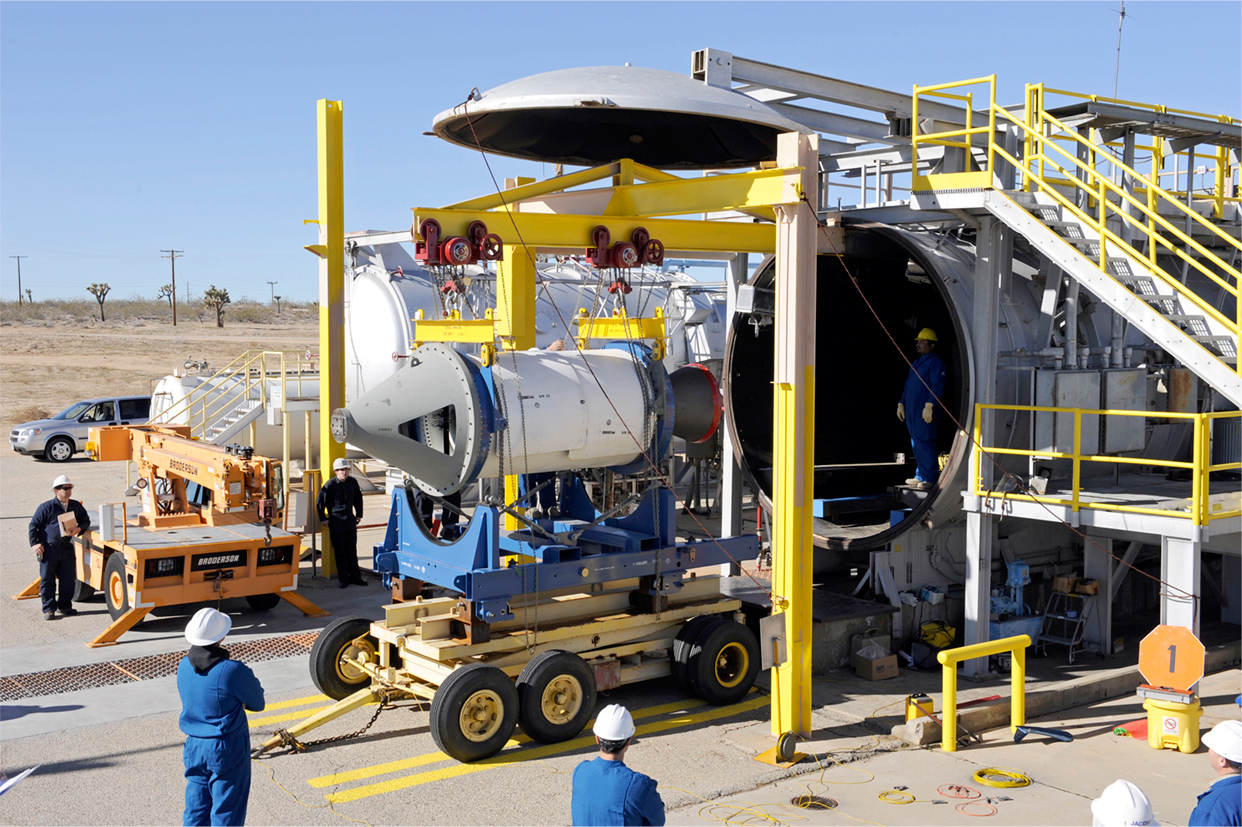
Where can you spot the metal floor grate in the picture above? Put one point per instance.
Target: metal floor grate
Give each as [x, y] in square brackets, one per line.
[129, 670]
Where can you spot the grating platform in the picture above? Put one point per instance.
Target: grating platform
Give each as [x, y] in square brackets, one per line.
[112, 673]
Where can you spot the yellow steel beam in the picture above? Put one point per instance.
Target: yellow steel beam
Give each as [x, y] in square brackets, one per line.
[620, 326]
[331, 294]
[456, 329]
[752, 191]
[540, 230]
[625, 169]
[794, 450]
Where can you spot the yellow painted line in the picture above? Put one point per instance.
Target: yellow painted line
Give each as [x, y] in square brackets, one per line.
[537, 753]
[309, 699]
[435, 757]
[255, 723]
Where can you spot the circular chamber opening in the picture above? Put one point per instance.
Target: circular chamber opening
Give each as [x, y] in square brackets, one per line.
[863, 453]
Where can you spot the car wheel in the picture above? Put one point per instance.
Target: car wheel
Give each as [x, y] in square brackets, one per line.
[59, 449]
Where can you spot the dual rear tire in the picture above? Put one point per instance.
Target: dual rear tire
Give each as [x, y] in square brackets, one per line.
[715, 659]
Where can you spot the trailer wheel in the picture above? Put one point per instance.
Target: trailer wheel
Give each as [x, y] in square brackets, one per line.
[265, 602]
[723, 662]
[683, 644]
[334, 656]
[556, 693]
[116, 586]
[474, 712]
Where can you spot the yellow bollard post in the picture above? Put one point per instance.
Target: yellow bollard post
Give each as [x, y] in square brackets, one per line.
[1017, 691]
[948, 718]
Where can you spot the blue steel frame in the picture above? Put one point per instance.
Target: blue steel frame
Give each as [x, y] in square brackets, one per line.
[639, 545]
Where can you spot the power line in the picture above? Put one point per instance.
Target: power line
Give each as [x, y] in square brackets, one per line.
[172, 256]
[272, 286]
[19, 278]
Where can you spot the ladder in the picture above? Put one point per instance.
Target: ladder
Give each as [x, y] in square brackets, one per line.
[1064, 622]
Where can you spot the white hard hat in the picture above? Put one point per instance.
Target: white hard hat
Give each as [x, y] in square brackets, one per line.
[61, 480]
[339, 463]
[614, 723]
[208, 626]
[1122, 805]
[1226, 740]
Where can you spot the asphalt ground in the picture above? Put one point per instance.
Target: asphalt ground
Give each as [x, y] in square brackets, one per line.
[111, 755]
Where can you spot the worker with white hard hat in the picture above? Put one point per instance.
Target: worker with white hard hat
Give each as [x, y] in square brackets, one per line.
[1222, 803]
[1121, 805]
[921, 395]
[606, 791]
[340, 506]
[215, 694]
[51, 539]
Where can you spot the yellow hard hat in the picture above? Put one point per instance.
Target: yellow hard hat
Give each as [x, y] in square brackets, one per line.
[926, 333]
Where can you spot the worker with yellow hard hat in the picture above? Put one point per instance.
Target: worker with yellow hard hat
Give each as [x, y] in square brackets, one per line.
[924, 386]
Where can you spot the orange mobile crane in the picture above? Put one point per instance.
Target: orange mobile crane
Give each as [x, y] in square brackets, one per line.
[205, 531]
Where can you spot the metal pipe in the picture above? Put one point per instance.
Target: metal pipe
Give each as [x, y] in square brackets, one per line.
[1071, 323]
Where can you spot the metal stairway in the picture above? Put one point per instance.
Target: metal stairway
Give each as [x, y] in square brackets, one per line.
[1106, 225]
[1191, 330]
[232, 423]
[225, 403]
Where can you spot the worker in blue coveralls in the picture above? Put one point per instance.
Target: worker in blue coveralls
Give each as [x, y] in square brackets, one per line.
[924, 386]
[1222, 803]
[606, 791]
[215, 694]
[54, 547]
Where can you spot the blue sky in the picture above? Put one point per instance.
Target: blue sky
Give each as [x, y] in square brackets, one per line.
[127, 128]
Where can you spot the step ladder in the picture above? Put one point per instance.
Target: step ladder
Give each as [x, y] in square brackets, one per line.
[1065, 622]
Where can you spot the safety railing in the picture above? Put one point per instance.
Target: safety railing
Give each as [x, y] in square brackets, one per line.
[245, 378]
[950, 658]
[962, 139]
[1200, 510]
[1094, 198]
[1223, 170]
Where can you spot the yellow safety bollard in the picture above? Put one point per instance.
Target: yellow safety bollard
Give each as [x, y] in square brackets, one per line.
[950, 658]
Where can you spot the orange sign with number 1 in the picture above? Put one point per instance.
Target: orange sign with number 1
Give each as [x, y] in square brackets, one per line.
[1171, 657]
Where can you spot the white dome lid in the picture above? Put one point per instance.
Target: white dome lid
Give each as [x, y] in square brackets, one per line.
[599, 114]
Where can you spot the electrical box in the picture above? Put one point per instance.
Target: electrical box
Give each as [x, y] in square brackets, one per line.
[1067, 389]
[1124, 389]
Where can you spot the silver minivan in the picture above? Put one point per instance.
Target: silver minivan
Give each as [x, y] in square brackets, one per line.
[59, 437]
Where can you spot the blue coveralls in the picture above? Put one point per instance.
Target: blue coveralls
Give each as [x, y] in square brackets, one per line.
[58, 552]
[915, 396]
[1220, 805]
[610, 793]
[217, 744]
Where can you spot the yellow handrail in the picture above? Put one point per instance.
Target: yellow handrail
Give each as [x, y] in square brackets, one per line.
[250, 370]
[1104, 199]
[950, 658]
[1200, 466]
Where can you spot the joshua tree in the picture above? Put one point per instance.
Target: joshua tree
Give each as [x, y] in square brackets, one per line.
[166, 292]
[277, 298]
[216, 299]
[28, 298]
[100, 292]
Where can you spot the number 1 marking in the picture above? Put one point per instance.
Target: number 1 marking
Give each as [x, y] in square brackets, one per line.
[1172, 658]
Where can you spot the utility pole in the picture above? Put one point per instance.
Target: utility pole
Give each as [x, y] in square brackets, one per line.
[272, 286]
[172, 256]
[19, 278]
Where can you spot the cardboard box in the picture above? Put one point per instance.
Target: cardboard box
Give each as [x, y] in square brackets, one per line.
[876, 669]
[1064, 585]
[1091, 586]
[68, 523]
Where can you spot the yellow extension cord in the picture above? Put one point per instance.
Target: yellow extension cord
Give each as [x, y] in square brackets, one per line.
[1002, 777]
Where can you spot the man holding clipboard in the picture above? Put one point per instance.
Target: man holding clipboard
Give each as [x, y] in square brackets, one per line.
[52, 528]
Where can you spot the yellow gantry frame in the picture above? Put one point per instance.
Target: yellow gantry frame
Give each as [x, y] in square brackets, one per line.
[331, 254]
[543, 216]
